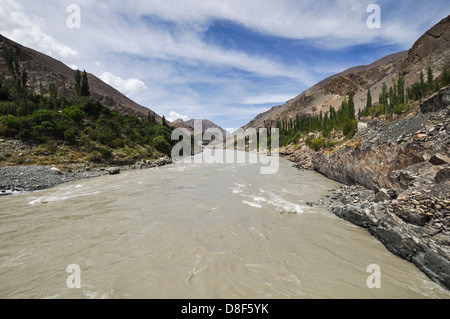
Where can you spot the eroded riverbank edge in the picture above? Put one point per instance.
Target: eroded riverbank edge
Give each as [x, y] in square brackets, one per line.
[397, 177]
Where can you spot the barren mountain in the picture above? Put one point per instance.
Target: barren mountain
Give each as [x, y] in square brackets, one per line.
[206, 124]
[44, 69]
[430, 50]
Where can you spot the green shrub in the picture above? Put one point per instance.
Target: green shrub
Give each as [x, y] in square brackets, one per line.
[106, 153]
[94, 156]
[119, 143]
[74, 113]
[25, 134]
[70, 136]
[350, 128]
[317, 144]
[162, 145]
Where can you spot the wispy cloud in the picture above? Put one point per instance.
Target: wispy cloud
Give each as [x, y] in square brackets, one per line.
[28, 30]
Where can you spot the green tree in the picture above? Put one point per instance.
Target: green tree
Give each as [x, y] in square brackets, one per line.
[445, 77]
[19, 75]
[422, 85]
[383, 100]
[85, 85]
[401, 90]
[369, 100]
[41, 88]
[164, 121]
[430, 78]
[351, 106]
[78, 83]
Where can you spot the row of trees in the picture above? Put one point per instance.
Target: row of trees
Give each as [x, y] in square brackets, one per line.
[398, 99]
[82, 84]
[342, 119]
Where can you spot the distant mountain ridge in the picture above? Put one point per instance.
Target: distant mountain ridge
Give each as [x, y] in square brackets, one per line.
[206, 124]
[430, 50]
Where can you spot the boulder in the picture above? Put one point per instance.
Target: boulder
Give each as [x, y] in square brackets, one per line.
[113, 170]
[382, 195]
[442, 176]
[411, 216]
[437, 159]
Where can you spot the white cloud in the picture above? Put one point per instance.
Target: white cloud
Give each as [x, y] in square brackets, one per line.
[175, 116]
[29, 31]
[128, 87]
[336, 23]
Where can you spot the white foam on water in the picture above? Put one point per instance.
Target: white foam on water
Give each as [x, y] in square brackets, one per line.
[60, 196]
[272, 200]
[238, 189]
[252, 204]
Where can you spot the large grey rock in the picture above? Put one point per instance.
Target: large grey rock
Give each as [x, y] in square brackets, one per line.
[437, 102]
[442, 176]
[382, 195]
[113, 170]
[411, 216]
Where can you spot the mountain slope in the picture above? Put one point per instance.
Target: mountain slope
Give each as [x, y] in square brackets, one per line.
[206, 124]
[431, 50]
[44, 69]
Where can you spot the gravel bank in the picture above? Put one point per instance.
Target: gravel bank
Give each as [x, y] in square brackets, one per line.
[30, 178]
[16, 179]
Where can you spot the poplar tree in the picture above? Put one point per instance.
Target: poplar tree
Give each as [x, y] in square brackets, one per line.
[369, 100]
[78, 83]
[19, 75]
[85, 85]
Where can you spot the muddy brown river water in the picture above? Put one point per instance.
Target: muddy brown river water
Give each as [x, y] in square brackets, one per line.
[194, 231]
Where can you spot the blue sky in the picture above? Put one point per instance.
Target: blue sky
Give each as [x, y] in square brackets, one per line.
[226, 60]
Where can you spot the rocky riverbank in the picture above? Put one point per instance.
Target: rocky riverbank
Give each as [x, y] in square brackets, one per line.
[415, 227]
[398, 177]
[15, 179]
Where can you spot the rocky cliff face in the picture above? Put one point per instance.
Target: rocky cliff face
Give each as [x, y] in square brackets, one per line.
[406, 165]
[418, 142]
[44, 69]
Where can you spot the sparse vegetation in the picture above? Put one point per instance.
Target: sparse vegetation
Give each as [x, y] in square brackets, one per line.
[398, 100]
[328, 126]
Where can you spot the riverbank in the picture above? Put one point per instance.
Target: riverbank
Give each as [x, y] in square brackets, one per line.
[15, 179]
[398, 177]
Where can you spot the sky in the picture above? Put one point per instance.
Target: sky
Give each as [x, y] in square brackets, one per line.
[222, 60]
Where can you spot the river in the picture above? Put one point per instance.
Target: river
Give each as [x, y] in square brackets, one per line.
[194, 231]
